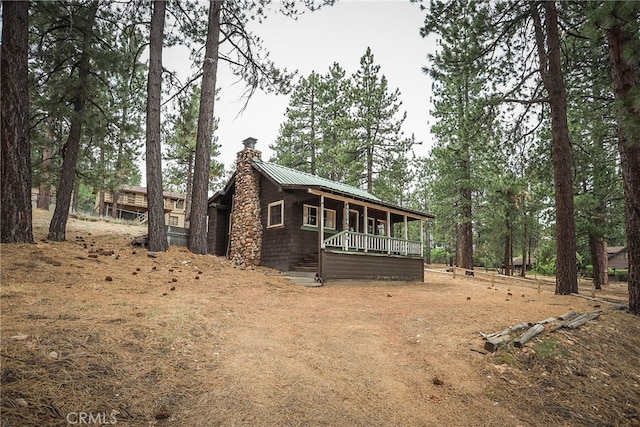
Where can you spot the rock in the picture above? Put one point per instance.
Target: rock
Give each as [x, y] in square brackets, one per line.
[173, 279]
[53, 355]
[21, 402]
[109, 279]
[152, 255]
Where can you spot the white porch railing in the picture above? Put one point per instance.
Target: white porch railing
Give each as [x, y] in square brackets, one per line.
[352, 241]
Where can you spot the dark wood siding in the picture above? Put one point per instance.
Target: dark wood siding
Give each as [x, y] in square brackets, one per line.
[218, 233]
[276, 242]
[361, 266]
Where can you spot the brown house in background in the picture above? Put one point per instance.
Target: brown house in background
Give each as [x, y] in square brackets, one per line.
[517, 264]
[289, 220]
[132, 205]
[618, 257]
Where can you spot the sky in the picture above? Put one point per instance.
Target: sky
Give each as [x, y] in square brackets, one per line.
[340, 33]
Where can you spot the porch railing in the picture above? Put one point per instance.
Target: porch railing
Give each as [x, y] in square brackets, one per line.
[352, 241]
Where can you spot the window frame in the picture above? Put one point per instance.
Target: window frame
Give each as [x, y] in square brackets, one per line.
[174, 218]
[306, 216]
[271, 205]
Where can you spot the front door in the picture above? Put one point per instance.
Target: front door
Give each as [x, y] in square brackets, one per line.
[354, 221]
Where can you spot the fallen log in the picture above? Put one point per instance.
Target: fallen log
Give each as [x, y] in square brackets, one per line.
[568, 315]
[582, 319]
[531, 332]
[493, 344]
[576, 321]
[508, 331]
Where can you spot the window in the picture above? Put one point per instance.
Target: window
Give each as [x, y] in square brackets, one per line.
[382, 228]
[179, 204]
[275, 214]
[310, 217]
[330, 218]
[173, 220]
[131, 197]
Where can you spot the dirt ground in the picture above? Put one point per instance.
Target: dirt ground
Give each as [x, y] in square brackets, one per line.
[94, 331]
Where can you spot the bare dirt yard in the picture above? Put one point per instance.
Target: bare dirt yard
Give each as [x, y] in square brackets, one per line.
[94, 331]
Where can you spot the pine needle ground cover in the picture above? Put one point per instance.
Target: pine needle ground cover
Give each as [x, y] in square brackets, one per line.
[96, 330]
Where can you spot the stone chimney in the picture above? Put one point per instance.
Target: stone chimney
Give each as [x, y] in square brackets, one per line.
[246, 226]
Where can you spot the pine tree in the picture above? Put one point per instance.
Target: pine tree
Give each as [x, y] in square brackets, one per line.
[620, 22]
[204, 138]
[376, 125]
[298, 144]
[462, 122]
[14, 138]
[85, 25]
[334, 119]
[155, 200]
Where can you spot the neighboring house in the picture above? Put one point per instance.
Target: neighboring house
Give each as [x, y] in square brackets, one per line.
[517, 264]
[132, 205]
[618, 257]
[278, 217]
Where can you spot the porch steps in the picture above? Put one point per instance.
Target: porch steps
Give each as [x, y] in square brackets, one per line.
[308, 265]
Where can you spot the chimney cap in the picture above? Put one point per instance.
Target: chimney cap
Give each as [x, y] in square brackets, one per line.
[250, 143]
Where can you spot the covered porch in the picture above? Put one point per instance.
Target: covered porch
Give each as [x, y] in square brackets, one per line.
[372, 240]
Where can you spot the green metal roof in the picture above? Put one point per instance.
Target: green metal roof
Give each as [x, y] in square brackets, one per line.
[285, 176]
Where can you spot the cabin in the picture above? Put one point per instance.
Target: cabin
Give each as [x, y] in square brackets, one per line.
[278, 217]
[617, 257]
[518, 264]
[132, 205]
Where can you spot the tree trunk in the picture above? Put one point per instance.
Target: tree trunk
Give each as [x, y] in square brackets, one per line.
[44, 190]
[114, 203]
[466, 226]
[626, 75]
[598, 250]
[155, 200]
[75, 196]
[508, 258]
[188, 194]
[552, 77]
[14, 106]
[202, 166]
[58, 225]
[101, 203]
[523, 272]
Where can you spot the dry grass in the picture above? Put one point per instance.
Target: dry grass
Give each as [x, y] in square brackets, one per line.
[238, 347]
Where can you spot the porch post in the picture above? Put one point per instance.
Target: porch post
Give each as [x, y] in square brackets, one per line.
[366, 229]
[345, 224]
[422, 237]
[321, 225]
[388, 232]
[321, 238]
[406, 236]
